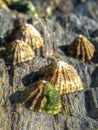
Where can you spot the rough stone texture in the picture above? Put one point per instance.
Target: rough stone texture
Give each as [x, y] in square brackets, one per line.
[6, 18]
[87, 8]
[57, 32]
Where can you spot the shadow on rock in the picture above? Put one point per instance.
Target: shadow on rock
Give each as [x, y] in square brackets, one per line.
[95, 59]
[94, 77]
[2, 47]
[30, 78]
[15, 98]
[94, 33]
[64, 49]
[11, 75]
[91, 104]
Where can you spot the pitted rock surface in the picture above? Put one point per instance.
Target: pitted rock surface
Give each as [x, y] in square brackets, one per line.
[57, 32]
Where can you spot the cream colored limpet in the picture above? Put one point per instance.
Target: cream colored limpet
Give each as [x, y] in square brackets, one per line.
[28, 34]
[18, 51]
[63, 76]
[81, 48]
[41, 96]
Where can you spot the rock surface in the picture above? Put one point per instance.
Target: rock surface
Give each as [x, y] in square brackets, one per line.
[57, 31]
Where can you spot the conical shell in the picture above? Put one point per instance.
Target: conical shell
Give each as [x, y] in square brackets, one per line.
[28, 34]
[18, 52]
[41, 97]
[81, 48]
[63, 76]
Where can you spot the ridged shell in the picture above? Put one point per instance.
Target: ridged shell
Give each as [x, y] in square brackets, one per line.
[18, 52]
[28, 34]
[81, 48]
[63, 76]
[41, 97]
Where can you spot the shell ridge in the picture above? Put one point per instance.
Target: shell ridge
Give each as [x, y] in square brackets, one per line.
[81, 48]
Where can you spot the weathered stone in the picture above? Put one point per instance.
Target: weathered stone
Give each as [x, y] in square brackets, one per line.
[56, 35]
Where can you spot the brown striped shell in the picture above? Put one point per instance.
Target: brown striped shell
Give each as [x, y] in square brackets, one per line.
[18, 51]
[63, 76]
[41, 96]
[28, 34]
[81, 48]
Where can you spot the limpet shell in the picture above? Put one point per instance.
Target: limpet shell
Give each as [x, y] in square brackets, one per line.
[81, 48]
[63, 76]
[41, 96]
[28, 34]
[18, 51]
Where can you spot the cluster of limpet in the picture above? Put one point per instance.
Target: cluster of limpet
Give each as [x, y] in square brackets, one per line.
[22, 42]
[28, 34]
[63, 76]
[18, 52]
[81, 48]
[41, 96]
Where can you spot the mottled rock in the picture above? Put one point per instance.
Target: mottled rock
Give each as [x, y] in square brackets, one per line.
[57, 35]
[6, 19]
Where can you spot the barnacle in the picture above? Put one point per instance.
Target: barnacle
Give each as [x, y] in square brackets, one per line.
[28, 34]
[41, 96]
[23, 6]
[81, 48]
[18, 51]
[62, 75]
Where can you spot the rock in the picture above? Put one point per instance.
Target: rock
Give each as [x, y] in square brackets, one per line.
[6, 18]
[57, 32]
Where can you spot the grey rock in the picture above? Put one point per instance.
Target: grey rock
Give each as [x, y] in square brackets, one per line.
[57, 32]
